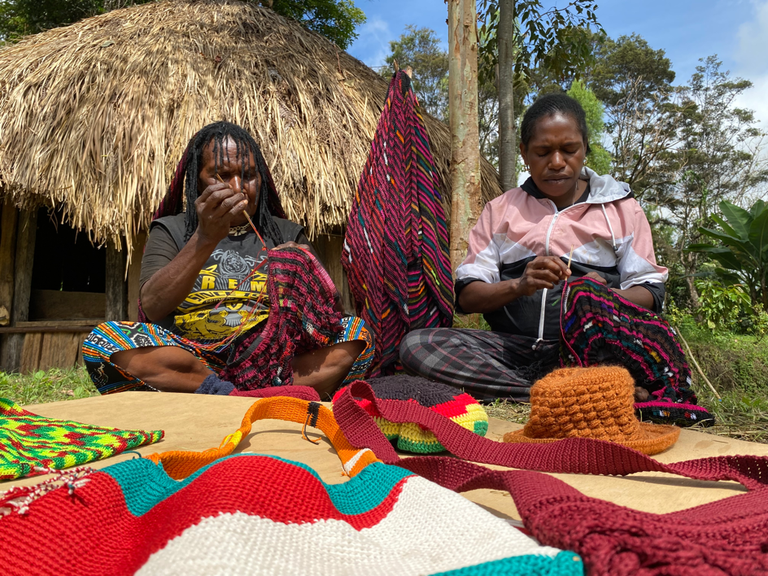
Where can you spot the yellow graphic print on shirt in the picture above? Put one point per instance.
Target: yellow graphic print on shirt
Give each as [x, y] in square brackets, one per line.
[198, 318]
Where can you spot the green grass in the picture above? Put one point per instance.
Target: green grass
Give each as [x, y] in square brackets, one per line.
[737, 367]
[51, 386]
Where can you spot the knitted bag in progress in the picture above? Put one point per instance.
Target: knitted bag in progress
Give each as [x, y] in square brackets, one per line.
[254, 514]
[29, 442]
[459, 407]
[301, 318]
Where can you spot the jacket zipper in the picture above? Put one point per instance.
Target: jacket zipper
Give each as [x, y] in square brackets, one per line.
[546, 249]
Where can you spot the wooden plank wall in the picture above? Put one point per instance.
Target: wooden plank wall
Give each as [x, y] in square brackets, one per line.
[43, 351]
[8, 221]
[10, 353]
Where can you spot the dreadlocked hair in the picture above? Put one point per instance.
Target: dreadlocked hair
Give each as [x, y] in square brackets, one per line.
[549, 105]
[217, 133]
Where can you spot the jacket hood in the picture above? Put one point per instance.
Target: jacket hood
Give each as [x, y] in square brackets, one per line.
[602, 189]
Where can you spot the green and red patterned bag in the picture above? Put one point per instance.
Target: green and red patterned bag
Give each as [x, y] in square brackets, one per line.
[32, 444]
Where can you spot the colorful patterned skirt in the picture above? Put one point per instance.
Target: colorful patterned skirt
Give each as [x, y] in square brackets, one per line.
[111, 337]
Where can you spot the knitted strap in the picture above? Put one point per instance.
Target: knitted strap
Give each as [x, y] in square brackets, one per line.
[180, 464]
[570, 455]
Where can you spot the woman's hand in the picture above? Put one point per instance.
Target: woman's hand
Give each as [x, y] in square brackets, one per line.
[596, 277]
[216, 207]
[542, 272]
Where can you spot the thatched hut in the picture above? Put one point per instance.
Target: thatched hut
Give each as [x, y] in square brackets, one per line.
[94, 117]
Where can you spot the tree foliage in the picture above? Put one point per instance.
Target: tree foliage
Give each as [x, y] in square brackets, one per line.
[599, 159]
[420, 49]
[742, 247]
[558, 40]
[634, 82]
[337, 20]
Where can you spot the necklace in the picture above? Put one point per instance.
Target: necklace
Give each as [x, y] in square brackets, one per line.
[239, 230]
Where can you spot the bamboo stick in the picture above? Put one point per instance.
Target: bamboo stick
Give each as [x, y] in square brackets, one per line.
[688, 348]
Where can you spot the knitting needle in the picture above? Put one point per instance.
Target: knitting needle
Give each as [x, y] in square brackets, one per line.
[569, 258]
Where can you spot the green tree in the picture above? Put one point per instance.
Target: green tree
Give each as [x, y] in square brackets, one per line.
[717, 157]
[634, 81]
[523, 35]
[599, 158]
[420, 49]
[337, 20]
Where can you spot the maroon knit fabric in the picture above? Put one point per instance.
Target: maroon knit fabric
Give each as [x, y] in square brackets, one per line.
[301, 318]
[726, 537]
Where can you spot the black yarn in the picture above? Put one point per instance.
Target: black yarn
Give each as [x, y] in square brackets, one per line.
[246, 148]
[406, 387]
[549, 105]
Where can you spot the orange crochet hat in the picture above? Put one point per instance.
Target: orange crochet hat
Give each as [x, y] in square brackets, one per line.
[593, 403]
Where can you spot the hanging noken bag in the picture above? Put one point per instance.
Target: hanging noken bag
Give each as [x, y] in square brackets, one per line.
[252, 514]
[727, 537]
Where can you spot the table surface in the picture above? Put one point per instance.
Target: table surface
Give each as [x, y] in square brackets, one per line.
[196, 422]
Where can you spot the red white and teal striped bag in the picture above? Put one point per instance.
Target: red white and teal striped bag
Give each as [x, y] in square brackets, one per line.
[216, 513]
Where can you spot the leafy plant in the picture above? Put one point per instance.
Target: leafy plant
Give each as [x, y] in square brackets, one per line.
[742, 252]
[722, 304]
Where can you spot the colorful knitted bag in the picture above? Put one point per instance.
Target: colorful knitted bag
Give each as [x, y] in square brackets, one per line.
[253, 514]
[30, 444]
[442, 399]
[727, 537]
[396, 244]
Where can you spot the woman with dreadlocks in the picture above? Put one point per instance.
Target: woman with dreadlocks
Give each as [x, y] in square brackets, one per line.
[231, 292]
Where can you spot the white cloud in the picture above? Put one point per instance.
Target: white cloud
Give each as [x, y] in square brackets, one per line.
[753, 42]
[372, 44]
[752, 62]
[756, 99]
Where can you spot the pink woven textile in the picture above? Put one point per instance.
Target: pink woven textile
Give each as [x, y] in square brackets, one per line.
[396, 244]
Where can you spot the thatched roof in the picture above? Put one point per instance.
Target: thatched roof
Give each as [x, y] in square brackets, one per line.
[94, 116]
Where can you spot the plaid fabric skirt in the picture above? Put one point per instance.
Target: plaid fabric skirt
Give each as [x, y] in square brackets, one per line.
[111, 337]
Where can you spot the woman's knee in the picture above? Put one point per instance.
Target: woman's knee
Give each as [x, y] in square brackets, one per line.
[153, 360]
[417, 347]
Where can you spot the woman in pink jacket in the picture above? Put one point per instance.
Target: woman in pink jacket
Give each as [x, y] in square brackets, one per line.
[601, 309]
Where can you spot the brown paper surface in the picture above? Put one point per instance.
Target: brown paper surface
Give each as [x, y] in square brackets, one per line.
[195, 422]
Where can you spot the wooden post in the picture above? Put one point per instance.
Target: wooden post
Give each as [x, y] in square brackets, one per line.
[507, 128]
[7, 259]
[465, 134]
[134, 273]
[116, 285]
[22, 289]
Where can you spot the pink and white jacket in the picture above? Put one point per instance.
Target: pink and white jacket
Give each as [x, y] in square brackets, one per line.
[606, 227]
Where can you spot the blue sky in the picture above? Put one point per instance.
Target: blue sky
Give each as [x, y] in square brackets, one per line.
[735, 30]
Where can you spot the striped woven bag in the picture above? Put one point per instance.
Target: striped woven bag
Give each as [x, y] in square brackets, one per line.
[216, 513]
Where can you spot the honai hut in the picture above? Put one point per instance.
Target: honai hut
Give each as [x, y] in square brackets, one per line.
[95, 116]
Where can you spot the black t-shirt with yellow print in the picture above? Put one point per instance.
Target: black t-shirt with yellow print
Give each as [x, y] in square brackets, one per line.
[227, 295]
